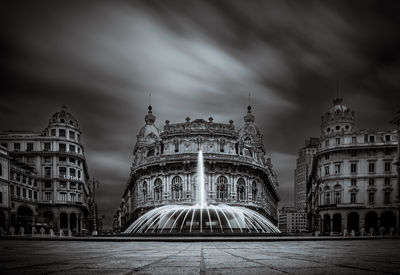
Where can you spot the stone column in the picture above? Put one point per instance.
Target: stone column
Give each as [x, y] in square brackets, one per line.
[331, 224]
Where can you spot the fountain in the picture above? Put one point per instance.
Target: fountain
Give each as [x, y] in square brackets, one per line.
[201, 217]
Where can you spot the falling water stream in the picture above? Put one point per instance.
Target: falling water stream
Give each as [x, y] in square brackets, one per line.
[201, 217]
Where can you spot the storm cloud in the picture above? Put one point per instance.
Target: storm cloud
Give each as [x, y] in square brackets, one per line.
[198, 59]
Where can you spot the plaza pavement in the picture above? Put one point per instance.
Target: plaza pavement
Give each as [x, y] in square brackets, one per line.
[363, 256]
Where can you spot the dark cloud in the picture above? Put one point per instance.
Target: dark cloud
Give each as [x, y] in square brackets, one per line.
[199, 59]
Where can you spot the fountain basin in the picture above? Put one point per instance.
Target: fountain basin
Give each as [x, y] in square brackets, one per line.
[198, 218]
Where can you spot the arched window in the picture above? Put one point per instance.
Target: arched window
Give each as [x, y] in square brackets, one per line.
[144, 191]
[254, 190]
[327, 194]
[176, 186]
[222, 146]
[241, 190]
[157, 189]
[150, 153]
[222, 188]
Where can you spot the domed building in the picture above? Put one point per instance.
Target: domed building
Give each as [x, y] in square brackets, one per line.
[49, 180]
[353, 182]
[236, 171]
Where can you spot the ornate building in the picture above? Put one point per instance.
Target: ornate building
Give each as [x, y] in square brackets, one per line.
[353, 183]
[46, 177]
[164, 167]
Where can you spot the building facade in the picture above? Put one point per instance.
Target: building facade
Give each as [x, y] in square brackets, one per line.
[292, 220]
[47, 184]
[353, 182]
[302, 172]
[164, 167]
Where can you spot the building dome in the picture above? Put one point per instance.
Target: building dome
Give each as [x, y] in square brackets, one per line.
[63, 117]
[339, 118]
[149, 129]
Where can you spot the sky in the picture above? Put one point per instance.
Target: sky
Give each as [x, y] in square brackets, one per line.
[197, 59]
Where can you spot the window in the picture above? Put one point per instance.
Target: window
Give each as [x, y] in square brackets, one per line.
[241, 194]
[12, 190]
[79, 198]
[35, 195]
[72, 185]
[353, 168]
[24, 192]
[17, 146]
[63, 184]
[72, 172]
[254, 190]
[73, 197]
[30, 194]
[18, 191]
[337, 141]
[79, 137]
[326, 156]
[327, 197]
[61, 133]
[387, 196]
[176, 146]
[47, 146]
[47, 159]
[371, 167]
[157, 189]
[387, 138]
[53, 132]
[71, 160]
[371, 181]
[18, 177]
[47, 184]
[326, 143]
[353, 197]
[388, 152]
[353, 153]
[176, 186]
[62, 159]
[371, 138]
[47, 196]
[71, 135]
[30, 160]
[387, 181]
[354, 139]
[62, 171]
[222, 146]
[62, 147]
[222, 188]
[34, 182]
[63, 196]
[326, 170]
[337, 168]
[72, 148]
[371, 197]
[47, 171]
[29, 146]
[388, 166]
[79, 174]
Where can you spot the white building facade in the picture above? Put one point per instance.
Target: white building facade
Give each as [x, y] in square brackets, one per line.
[353, 183]
[47, 176]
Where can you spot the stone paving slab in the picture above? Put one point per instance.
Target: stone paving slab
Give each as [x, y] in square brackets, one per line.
[290, 257]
